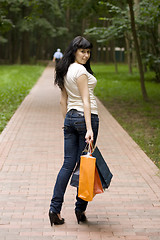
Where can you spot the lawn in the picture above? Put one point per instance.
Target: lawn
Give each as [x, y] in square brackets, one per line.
[121, 94]
[15, 83]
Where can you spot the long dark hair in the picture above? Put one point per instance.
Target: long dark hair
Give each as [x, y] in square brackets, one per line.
[69, 57]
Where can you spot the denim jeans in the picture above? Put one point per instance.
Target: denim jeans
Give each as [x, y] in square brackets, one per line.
[74, 144]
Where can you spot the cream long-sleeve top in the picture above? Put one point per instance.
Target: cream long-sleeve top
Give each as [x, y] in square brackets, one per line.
[74, 101]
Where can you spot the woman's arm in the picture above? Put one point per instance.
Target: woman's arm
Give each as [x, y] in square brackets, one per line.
[82, 83]
[63, 102]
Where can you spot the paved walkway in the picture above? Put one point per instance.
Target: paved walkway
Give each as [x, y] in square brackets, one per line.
[31, 154]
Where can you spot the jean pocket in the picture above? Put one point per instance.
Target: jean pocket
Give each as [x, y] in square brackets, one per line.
[80, 125]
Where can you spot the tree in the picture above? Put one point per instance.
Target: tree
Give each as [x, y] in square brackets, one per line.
[148, 21]
[140, 65]
[5, 25]
[34, 23]
[120, 26]
[116, 30]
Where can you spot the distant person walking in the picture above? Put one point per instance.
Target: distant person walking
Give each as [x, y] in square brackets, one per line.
[57, 55]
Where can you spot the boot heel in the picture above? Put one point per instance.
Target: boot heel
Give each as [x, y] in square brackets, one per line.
[55, 219]
[80, 217]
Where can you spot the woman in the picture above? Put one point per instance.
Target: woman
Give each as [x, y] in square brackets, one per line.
[76, 81]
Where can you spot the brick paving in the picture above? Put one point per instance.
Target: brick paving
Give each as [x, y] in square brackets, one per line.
[31, 153]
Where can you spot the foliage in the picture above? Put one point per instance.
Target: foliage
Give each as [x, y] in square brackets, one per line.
[118, 23]
[148, 21]
[42, 26]
[5, 24]
[15, 83]
[118, 26]
[121, 94]
[35, 28]
[33, 22]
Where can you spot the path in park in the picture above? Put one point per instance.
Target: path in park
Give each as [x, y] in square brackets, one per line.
[31, 153]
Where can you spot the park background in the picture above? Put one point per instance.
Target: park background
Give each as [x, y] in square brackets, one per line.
[125, 57]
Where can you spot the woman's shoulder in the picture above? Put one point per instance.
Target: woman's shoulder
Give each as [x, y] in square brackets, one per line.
[77, 66]
[78, 69]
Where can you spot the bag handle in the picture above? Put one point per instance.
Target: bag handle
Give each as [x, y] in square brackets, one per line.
[89, 148]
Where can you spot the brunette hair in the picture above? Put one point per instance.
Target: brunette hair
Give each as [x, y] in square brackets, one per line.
[69, 57]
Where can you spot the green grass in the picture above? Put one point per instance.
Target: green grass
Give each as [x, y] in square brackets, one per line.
[121, 94]
[15, 83]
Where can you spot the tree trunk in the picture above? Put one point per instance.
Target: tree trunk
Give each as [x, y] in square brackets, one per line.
[129, 61]
[25, 44]
[68, 18]
[137, 48]
[155, 51]
[158, 75]
[25, 48]
[14, 46]
[94, 51]
[115, 60]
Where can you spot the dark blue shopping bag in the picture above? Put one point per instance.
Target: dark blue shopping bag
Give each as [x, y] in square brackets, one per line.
[102, 167]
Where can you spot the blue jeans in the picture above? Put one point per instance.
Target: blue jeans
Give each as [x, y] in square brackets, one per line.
[74, 144]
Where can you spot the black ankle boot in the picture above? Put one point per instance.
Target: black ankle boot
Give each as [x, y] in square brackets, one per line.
[55, 219]
[80, 216]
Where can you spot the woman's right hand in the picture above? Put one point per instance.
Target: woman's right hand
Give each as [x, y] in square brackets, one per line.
[89, 136]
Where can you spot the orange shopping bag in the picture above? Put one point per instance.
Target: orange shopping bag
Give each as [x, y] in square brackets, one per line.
[89, 180]
[86, 177]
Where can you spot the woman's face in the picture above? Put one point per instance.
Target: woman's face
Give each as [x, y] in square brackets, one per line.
[82, 55]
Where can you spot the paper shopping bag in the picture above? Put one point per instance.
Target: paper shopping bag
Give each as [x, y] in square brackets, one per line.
[86, 177]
